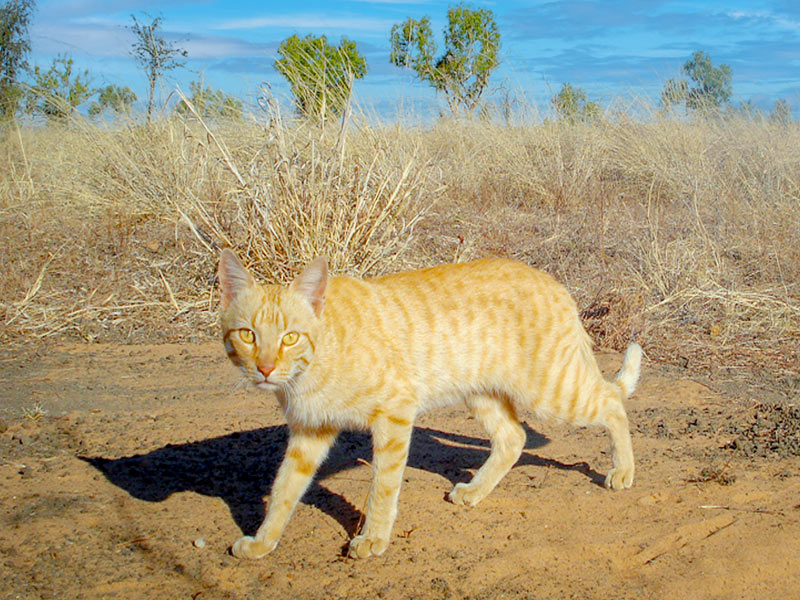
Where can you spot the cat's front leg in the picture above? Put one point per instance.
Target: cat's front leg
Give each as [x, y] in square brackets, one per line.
[391, 437]
[306, 450]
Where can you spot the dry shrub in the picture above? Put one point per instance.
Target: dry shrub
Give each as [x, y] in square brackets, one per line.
[680, 234]
[120, 227]
[308, 191]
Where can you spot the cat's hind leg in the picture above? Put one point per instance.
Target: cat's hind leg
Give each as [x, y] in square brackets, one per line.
[616, 422]
[507, 437]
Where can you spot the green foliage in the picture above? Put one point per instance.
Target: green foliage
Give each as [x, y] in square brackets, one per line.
[56, 92]
[113, 98]
[712, 84]
[413, 47]
[472, 43]
[711, 89]
[209, 102]
[154, 54]
[14, 47]
[572, 105]
[674, 93]
[320, 75]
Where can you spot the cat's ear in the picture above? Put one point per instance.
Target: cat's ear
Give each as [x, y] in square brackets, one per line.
[311, 283]
[234, 278]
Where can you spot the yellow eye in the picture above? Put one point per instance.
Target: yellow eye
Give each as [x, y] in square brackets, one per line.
[290, 338]
[248, 337]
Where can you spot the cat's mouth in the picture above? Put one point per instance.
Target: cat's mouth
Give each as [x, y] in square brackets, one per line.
[264, 384]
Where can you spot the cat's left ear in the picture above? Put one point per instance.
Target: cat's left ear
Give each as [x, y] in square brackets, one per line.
[234, 278]
[311, 283]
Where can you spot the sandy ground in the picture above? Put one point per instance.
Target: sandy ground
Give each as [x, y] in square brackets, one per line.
[151, 460]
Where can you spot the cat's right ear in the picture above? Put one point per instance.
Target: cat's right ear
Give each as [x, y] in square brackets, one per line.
[234, 278]
[312, 282]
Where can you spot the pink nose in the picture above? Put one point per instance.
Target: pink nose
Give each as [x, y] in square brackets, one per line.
[265, 370]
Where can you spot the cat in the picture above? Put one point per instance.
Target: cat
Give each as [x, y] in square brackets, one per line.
[342, 352]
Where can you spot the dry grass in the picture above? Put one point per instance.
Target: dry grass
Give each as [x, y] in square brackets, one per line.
[683, 235]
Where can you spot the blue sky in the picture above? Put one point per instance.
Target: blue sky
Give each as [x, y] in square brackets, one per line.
[610, 49]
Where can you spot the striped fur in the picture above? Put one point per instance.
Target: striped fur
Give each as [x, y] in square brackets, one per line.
[372, 354]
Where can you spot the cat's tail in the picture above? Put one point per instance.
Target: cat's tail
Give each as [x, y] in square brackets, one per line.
[629, 372]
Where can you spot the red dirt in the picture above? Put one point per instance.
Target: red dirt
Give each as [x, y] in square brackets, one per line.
[151, 461]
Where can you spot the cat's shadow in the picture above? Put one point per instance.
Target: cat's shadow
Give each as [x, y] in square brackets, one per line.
[239, 468]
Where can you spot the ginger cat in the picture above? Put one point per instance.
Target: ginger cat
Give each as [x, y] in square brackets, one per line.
[348, 353]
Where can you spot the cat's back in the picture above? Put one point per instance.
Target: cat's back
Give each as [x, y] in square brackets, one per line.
[481, 281]
[494, 322]
[457, 293]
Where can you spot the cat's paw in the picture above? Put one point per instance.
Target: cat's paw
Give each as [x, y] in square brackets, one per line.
[250, 547]
[619, 478]
[362, 546]
[465, 494]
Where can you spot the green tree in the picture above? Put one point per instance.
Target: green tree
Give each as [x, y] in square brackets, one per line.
[710, 87]
[674, 93]
[56, 92]
[461, 73]
[154, 54]
[572, 105]
[320, 75]
[114, 98]
[209, 102]
[14, 47]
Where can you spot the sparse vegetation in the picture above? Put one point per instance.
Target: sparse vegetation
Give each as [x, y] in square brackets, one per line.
[56, 92]
[572, 105]
[679, 234]
[710, 86]
[113, 98]
[154, 54]
[34, 412]
[320, 75]
[211, 103]
[15, 44]
[461, 73]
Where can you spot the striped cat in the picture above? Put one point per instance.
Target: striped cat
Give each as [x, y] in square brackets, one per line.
[348, 353]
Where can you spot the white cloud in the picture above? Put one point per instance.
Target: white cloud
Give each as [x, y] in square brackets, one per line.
[101, 38]
[761, 15]
[309, 21]
[92, 40]
[215, 47]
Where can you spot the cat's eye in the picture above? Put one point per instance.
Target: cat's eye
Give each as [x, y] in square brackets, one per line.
[290, 338]
[248, 337]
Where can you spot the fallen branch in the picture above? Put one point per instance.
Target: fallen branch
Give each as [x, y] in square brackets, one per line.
[693, 532]
[760, 511]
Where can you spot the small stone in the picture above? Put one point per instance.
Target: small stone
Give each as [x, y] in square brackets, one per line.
[200, 543]
[21, 439]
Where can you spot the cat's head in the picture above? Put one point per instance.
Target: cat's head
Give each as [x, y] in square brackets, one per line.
[270, 331]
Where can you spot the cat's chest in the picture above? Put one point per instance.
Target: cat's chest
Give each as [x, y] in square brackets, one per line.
[322, 409]
[325, 397]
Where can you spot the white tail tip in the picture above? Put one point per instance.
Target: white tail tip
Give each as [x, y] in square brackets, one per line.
[629, 372]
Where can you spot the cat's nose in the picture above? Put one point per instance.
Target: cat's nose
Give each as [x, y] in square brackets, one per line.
[265, 370]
